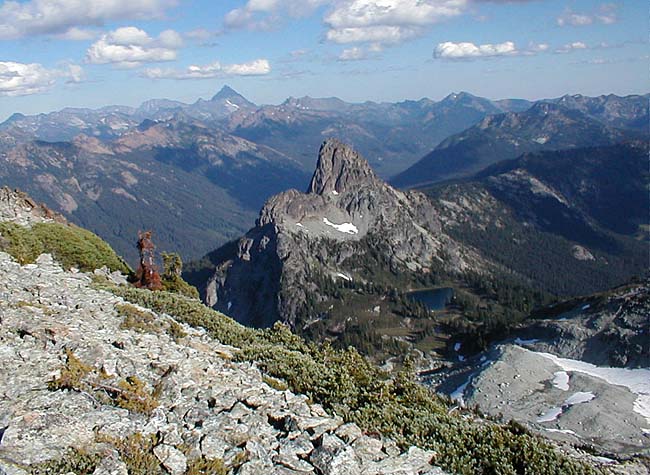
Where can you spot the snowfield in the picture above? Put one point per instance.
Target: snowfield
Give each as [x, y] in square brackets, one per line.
[347, 228]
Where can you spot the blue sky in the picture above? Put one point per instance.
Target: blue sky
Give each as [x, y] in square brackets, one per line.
[90, 53]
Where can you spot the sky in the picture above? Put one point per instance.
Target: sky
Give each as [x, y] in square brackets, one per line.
[92, 53]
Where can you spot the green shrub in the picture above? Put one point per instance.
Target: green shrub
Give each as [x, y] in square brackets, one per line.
[20, 242]
[72, 374]
[138, 320]
[202, 466]
[75, 461]
[71, 245]
[130, 393]
[345, 382]
[171, 278]
[136, 451]
[134, 396]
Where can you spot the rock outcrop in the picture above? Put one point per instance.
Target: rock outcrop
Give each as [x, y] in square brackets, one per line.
[347, 216]
[16, 207]
[180, 392]
[578, 372]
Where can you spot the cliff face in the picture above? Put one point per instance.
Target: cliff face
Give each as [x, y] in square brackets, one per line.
[347, 219]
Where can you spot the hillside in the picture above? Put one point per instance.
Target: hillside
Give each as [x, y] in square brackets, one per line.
[545, 126]
[570, 222]
[188, 182]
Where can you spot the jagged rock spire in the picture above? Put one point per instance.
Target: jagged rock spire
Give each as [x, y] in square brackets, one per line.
[340, 169]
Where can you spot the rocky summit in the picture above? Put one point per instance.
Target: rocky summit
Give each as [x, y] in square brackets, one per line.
[347, 220]
[173, 389]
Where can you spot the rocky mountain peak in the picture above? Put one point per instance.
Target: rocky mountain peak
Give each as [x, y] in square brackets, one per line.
[340, 169]
[226, 92]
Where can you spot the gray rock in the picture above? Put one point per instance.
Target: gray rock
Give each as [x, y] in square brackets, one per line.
[215, 407]
[334, 457]
[293, 463]
[213, 446]
[349, 432]
[111, 465]
[171, 458]
[369, 449]
[299, 446]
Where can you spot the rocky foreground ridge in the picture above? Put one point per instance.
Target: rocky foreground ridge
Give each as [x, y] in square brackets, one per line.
[93, 384]
[179, 390]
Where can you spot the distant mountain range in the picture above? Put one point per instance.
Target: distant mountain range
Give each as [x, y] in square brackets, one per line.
[544, 126]
[212, 164]
[394, 135]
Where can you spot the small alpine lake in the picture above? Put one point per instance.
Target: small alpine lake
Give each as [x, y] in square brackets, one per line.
[434, 299]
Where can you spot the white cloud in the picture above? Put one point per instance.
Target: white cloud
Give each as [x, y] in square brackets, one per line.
[357, 53]
[36, 17]
[387, 21]
[269, 14]
[376, 34]
[570, 47]
[352, 21]
[200, 34]
[538, 47]
[467, 50]
[20, 79]
[258, 67]
[130, 46]
[606, 14]
[353, 54]
[75, 73]
[78, 34]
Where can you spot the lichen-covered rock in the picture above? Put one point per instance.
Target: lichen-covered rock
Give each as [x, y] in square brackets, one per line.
[75, 376]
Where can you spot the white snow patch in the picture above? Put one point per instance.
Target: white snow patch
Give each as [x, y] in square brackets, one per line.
[343, 276]
[645, 431]
[561, 431]
[335, 193]
[483, 358]
[603, 459]
[230, 104]
[229, 305]
[519, 341]
[461, 358]
[550, 415]
[579, 398]
[458, 394]
[299, 225]
[541, 140]
[636, 380]
[457, 347]
[347, 228]
[561, 380]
